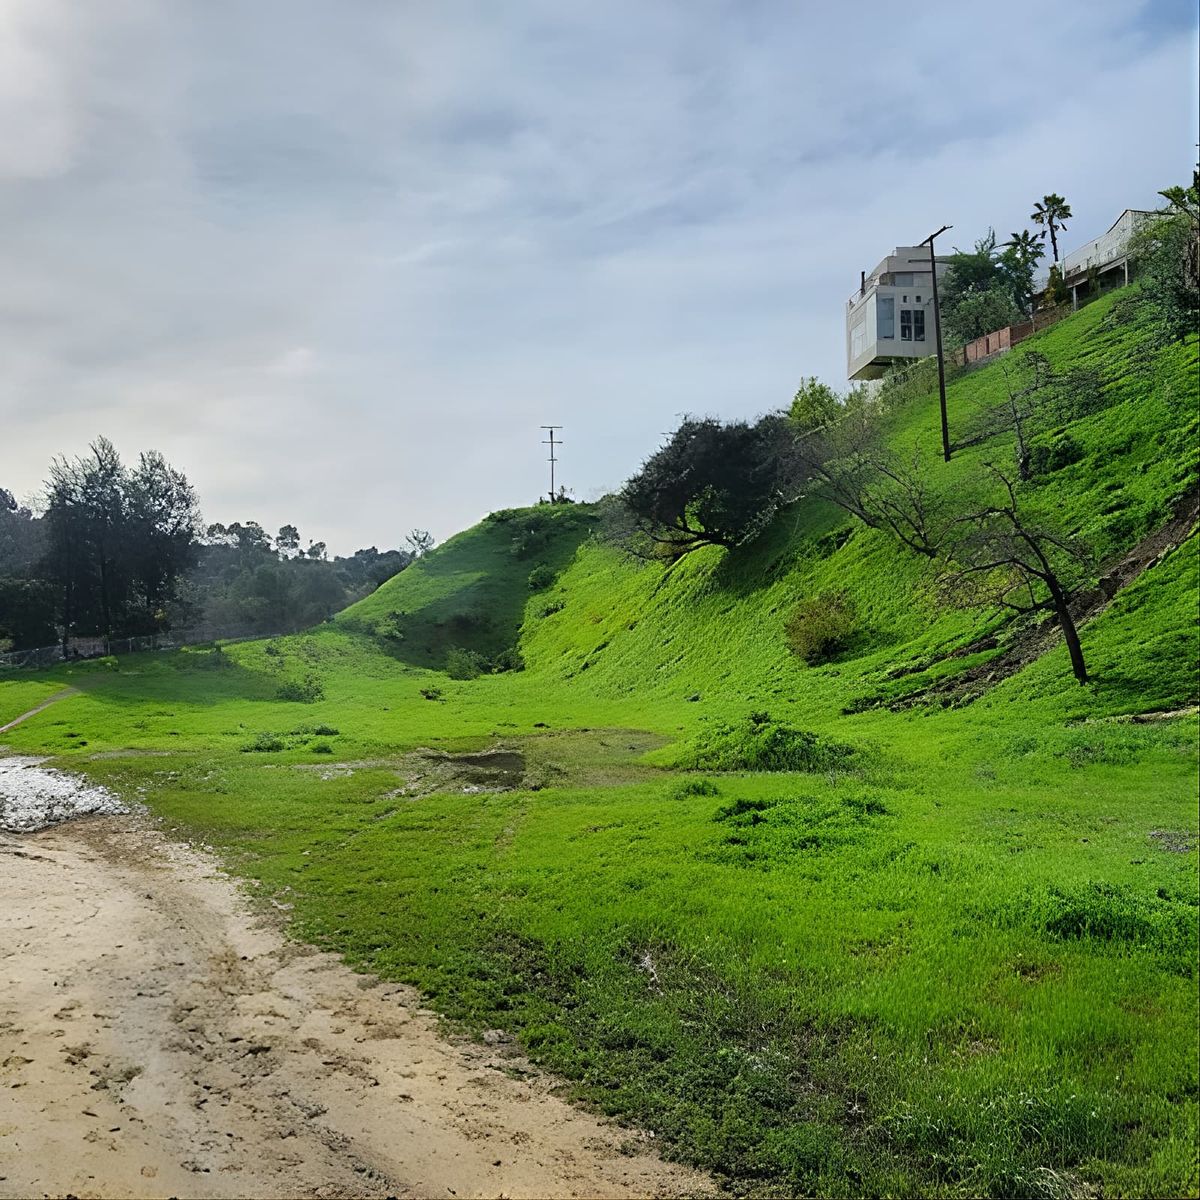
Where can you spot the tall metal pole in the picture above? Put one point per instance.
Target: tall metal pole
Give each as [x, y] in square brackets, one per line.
[937, 333]
[552, 443]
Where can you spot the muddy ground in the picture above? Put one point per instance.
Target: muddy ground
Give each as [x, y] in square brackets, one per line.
[159, 1037]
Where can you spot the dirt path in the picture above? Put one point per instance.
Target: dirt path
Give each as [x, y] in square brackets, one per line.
[33, 712]
[156, 1038]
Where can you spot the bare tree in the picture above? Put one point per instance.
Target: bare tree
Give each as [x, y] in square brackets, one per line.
[845, 463]
[1037, 398]
[1003, 556]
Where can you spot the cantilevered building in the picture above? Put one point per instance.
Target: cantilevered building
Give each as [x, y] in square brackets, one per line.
[890, 318]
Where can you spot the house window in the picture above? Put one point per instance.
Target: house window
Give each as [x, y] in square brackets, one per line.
[903, 279]
[887, 316]
[858, 340]
[906, 324]
[918, 325]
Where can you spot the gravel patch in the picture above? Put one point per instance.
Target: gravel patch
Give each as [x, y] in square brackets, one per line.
[33, 797]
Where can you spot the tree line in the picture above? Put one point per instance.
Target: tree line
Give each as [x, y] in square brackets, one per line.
[117, 550]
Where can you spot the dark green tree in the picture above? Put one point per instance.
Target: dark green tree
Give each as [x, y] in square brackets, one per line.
[712, 484]
[1167, 258]
[977, 294]
[1018, 262]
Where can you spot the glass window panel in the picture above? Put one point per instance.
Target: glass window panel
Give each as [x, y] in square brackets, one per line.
[918, 325]
[886, 314]
[906, 324]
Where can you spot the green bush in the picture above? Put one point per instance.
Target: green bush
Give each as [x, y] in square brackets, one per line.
[820, 626]
[541, 577]
[763, 745]
[1053, 455]
[391, 627]
[308, 690]
[508, 660]
[264, 743]
[464, 664]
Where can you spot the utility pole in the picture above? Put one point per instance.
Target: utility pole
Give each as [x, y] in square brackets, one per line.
[552, 443]
[937, 333]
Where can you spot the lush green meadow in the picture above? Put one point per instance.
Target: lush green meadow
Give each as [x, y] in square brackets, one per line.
[953, 952]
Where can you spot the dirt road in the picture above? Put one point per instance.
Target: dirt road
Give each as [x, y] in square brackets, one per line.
[157, 1038]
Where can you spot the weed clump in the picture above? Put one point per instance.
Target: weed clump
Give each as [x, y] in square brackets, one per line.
[762, 744]
[1105, 912]
[308, 690]
[264, 743]
[820, 626]
[695, 787]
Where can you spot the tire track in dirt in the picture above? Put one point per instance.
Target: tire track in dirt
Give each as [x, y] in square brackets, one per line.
[158, 1038]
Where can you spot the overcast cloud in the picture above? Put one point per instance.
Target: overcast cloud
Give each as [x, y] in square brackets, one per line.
[339, 259]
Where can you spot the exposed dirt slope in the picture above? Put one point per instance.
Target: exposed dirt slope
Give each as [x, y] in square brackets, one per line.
[156, 1039]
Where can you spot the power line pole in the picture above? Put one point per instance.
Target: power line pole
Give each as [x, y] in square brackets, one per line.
[552, 444]
[937, 332]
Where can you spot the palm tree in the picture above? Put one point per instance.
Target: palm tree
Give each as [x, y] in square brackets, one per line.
[1052, 212]
[1026, 246]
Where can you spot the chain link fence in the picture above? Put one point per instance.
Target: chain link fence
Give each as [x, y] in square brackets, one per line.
[78, 649]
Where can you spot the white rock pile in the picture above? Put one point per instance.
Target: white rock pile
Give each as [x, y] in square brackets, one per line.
[33, 796]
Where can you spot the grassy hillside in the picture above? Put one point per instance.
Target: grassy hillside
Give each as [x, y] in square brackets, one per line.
[472, 593]
[952, 951]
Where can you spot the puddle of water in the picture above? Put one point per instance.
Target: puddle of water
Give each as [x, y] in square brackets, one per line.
[33, 796]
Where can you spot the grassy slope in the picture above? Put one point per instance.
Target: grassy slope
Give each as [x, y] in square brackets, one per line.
[966, 966]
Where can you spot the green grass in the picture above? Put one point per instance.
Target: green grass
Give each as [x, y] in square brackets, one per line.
[943, 952]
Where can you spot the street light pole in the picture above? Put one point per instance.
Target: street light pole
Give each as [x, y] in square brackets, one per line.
[937, 333]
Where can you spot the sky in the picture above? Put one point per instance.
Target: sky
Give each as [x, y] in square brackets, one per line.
[339, 260]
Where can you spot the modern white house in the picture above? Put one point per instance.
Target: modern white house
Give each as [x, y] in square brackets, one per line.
[890, 318]
[1105, 255]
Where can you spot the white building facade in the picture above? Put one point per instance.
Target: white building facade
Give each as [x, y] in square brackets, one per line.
[890, 318]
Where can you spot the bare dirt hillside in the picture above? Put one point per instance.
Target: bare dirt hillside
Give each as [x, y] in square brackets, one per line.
[157, 1038]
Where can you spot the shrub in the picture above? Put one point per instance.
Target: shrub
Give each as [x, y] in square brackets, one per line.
[391, 627]
[763, 746]
[541, 577]
[302, 691]
[464, 664]
[322, 748]
[1047, 457]
[432, 693]
[820, 626]
[264, 743]
[508, 660]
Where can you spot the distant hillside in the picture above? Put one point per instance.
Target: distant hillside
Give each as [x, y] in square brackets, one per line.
[471, 593]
